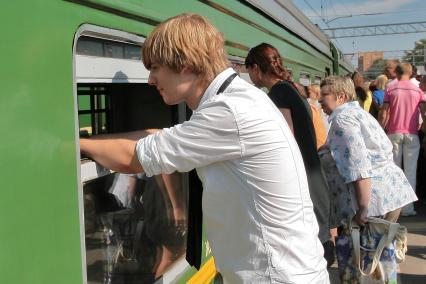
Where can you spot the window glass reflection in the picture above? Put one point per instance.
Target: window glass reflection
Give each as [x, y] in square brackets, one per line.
[135, 226]
[107, 48]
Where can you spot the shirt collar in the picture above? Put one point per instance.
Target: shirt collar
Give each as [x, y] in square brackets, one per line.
[215, 85]
[342, 108]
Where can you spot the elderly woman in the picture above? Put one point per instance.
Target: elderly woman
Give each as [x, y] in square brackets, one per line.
[363, 153]
[363, 156]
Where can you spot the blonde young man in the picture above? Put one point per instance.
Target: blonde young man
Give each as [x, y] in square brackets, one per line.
[260, 223]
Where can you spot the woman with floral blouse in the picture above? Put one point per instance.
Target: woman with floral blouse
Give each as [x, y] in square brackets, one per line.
[362, 152]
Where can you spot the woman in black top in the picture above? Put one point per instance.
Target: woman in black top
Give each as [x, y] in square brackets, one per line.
[265, 68]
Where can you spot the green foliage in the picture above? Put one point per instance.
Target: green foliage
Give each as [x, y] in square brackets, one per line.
[417, 56]
[375, 69]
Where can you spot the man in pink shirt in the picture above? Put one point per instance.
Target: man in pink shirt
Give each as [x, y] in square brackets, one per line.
[400, 116]
[390, 68]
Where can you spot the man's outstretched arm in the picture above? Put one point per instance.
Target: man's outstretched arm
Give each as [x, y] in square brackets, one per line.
[383, 117]
[115, 151]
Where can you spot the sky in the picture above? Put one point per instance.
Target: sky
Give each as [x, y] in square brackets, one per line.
[395, 11]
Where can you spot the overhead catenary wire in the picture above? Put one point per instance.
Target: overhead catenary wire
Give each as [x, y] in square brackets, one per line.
[315, 12]
[372, 13]
[323, 20]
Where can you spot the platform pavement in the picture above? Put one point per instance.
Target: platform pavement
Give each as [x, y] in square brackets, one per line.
[413, 270]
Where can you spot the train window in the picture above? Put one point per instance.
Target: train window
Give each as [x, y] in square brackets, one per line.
[107, 48]
[304, 79]
[93, 107]
[237, 63]
[317, 80]
[135, 226]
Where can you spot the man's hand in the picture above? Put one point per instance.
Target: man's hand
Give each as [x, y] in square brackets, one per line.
[383, 116]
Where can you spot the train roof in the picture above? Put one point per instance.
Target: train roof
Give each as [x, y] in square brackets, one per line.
[285, 13]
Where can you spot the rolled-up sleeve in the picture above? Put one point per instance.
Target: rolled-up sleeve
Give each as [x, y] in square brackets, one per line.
[211, 135]
[349, 150]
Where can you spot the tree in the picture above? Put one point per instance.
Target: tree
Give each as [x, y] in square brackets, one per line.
[417, 56]
[375, 69]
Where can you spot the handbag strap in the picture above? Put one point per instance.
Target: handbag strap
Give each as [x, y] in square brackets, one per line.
[392, 227]
[384, 241]
[357, 251]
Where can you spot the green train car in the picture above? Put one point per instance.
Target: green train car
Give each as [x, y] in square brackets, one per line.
[73, 68]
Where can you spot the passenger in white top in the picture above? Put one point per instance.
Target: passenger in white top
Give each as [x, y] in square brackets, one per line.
[257, 211]
[414, 73]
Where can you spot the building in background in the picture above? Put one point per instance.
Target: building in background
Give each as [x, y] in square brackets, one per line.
[367, 59]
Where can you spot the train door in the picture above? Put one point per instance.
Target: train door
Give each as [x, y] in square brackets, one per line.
[133, 226]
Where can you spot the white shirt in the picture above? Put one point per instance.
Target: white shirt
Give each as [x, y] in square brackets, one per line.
[258, 214]
[415, 81]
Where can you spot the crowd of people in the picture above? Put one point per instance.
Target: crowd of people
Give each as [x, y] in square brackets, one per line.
[281, 171]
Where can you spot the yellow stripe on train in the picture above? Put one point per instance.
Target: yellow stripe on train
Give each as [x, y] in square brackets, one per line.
[205, 275]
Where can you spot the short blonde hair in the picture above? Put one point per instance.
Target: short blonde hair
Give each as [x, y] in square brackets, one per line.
[187, 40]
[316, 89]
[404, 68]
[339, 84]
[380, 82]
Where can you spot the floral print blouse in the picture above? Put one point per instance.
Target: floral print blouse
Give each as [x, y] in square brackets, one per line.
[362, 150]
